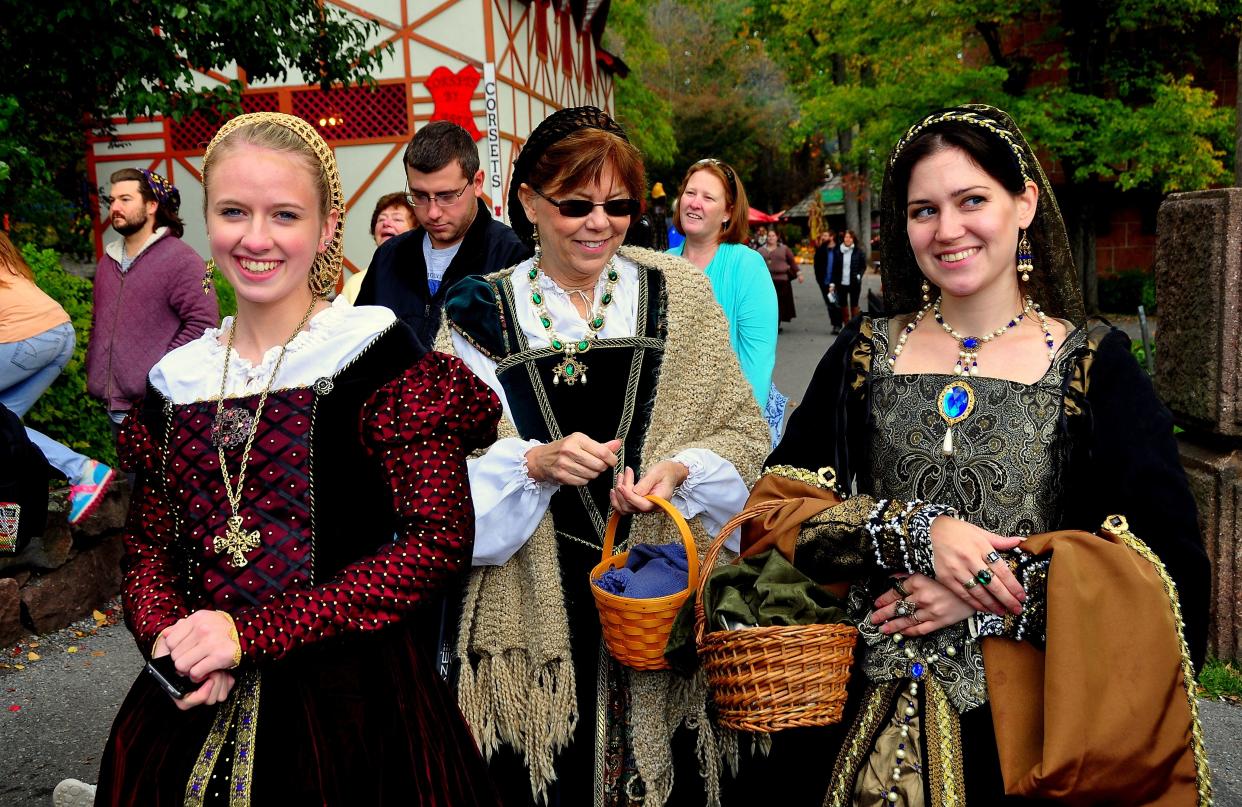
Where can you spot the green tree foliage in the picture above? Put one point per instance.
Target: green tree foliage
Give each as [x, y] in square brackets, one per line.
[646, 115]
[700, 87]
[65, 412]
[69, 67]
[1111, 92]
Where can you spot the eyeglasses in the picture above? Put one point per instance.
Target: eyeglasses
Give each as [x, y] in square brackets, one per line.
[445, 199]
[581, 208]
[722, 165]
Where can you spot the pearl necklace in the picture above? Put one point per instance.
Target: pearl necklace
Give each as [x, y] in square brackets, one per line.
[968, 346]
[571, 369]
[956, 401]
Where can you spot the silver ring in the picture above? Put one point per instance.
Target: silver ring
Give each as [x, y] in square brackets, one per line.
[905, 608]
[991, 557]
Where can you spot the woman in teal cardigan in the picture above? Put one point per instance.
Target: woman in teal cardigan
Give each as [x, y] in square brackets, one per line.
[711, 194]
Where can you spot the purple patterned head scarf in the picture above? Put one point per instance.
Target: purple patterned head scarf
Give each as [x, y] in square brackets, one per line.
[165, 192]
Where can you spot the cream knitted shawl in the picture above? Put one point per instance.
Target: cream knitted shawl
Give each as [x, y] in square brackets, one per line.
[522, 690]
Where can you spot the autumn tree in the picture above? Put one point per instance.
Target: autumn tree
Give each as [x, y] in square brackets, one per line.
[1109, 91]
[701, 87]
[70, 67]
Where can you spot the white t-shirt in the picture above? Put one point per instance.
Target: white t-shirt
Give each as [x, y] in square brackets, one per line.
[437, 261]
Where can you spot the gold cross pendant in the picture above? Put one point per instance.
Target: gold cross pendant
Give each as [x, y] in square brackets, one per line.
[236, 542]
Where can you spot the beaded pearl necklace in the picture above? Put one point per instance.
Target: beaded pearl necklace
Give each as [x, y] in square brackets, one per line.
[572, 369]
[956, 401]
[968, 346]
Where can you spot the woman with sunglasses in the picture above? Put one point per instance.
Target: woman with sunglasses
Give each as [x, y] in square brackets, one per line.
[710, 196]
[614, 370]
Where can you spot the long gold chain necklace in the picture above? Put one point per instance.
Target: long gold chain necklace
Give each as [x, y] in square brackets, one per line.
[229, 427]
[571, 368]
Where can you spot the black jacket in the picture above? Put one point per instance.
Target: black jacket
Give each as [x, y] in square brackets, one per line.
[824, 255]
[397, 277]
[858, 266]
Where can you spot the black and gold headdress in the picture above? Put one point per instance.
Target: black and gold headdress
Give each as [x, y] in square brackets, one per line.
[554, 128]
[1054, 282]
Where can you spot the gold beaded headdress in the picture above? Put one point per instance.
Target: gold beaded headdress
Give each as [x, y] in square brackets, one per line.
[326, 270]
[966, 115]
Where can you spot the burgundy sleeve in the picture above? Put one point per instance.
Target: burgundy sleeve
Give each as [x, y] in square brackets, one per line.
[420, 428]
[151, 592]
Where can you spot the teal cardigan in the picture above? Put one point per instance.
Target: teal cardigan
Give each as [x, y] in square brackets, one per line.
[744, 289]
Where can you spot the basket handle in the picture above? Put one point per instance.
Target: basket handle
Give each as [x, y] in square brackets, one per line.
[692, 553]
[709, 561]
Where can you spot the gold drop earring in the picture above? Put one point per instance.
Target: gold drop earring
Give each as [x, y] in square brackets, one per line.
[207, 275]
[926, 291]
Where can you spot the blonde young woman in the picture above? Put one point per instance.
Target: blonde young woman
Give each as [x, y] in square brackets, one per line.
[302, 492]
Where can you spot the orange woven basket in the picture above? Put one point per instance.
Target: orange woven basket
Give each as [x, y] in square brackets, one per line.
[636, 630]
[771, 678]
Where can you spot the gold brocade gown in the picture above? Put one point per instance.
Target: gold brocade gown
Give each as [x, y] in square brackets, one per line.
[911, 742]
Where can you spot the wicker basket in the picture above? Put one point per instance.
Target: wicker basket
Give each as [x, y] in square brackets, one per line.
[636, 630]
[771, 678]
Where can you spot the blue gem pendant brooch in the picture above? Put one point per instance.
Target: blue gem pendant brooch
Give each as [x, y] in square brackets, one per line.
[954, 404]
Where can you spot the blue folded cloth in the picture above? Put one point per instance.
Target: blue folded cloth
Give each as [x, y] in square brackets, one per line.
[649, 571]
[614, 581]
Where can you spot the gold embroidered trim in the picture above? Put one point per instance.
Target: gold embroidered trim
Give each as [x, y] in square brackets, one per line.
[543, 352]
[825, 478]
[860, 359]
[470, 339]
[944, 748]
[241, 714]
[1119, 526]
[878, 701]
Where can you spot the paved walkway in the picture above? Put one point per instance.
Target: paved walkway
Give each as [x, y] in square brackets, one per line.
[55, 712]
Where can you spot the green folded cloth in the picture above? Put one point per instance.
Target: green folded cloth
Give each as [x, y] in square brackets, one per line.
[759, 591]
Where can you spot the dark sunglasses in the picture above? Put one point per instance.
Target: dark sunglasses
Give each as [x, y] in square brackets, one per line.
[581, 208]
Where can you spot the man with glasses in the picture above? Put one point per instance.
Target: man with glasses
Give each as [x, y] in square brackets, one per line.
[456, 236]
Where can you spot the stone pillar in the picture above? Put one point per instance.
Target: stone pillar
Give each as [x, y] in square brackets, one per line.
[1199, 376]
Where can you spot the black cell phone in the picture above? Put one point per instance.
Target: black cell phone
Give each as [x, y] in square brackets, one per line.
[165, 673]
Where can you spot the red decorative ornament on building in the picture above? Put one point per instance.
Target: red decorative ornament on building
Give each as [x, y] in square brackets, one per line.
[452, 93]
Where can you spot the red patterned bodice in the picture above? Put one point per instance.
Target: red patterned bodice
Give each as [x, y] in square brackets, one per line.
[410, 438]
